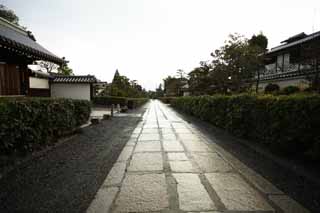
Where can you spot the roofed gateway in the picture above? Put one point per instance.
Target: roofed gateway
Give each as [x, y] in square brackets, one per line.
[18, 49]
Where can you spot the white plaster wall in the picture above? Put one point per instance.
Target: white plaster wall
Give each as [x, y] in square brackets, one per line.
[39, 83]
[301, 83]
[74, 91]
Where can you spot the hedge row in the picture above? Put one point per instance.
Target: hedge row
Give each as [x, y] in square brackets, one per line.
[28, 123]
[167, 100]
[136, 102]
[288, 124]
[109, 100]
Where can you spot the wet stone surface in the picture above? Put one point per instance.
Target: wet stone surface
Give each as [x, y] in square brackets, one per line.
[149, 137]
[126, 153]
[192, 194]
[143, 193]
[116, 174]
[172, 146]
[177, 156]
[103, 200]
[168, 166]
[211, 162]
[146, 162]
[236, 194]
[153, 146]
[181, 166]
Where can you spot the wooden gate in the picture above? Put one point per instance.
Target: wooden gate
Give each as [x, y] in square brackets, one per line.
[13, 80]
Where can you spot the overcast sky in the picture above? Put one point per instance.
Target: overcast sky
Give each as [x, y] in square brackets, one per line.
[150, 39]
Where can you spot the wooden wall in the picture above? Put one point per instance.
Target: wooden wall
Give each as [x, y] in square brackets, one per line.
[14, 79]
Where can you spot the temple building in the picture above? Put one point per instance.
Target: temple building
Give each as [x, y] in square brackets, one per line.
[18, 49]
[294, 63]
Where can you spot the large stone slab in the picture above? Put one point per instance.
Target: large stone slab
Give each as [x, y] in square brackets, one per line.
[153, 146]
[143, 193]
[196, 146]
[172, 146]
[165, 131]
[169, 137]
[149, 137]
[116, 174]
[287, 204]
[150, 131]
[236, 194]
[126, 153]
[189, 137]
[146, 162]
[177, 156]
[211, 162]
[192, 194]
[103, 200]
[181, 166]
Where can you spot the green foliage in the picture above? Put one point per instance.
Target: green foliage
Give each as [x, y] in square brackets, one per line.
[136, 102]
[166, 100]
[235, 64]
[65, 70]
[28, 123]
[122, 86]
[287, 124]
[272, 88]
[109, 100]
[290, 90]
[9, 15]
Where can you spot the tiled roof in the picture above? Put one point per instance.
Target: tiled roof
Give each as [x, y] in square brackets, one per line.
[294, 43]
[75, 79]
[19, 40]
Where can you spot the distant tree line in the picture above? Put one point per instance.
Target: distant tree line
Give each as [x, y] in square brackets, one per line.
[231, 69]
[122, 86]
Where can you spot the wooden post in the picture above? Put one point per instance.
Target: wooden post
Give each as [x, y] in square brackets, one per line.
[112, 108]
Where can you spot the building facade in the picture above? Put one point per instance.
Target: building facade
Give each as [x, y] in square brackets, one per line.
[294, 63]
[18, 49]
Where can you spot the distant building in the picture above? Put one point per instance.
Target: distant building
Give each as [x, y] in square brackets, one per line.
[18, 49]
[295, 62]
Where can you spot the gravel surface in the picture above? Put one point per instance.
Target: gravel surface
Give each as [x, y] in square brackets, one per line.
[66, 178]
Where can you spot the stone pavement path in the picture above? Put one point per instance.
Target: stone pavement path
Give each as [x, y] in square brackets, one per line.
[170, 166]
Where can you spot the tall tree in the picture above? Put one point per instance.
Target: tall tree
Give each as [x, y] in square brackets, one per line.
[236, 63]
[65, 70]
[8, 14]
[199, 80]
[258, 45]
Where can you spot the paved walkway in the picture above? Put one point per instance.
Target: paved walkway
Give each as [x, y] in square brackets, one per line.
[168, 165]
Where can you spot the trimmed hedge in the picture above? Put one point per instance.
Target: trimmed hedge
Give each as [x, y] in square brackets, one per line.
[131, 103]
[28, 123]
[287, 124]
[109, 100]
[167, 100]
[136, 102]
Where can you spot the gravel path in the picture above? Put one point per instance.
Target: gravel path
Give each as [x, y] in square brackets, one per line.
[66, 178]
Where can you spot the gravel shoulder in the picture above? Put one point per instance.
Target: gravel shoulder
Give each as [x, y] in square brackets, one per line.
[66, 178]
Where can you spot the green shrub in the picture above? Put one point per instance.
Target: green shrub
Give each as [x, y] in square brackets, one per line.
[167, 100]
[272, 88]
[109, 100]
[131, 103]
[136, 102]
[28, 123]
[290, 90]
[289, 124]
